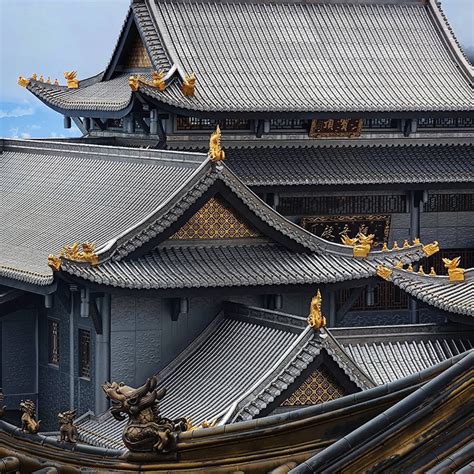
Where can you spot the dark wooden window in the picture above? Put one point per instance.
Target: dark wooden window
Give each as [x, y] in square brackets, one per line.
[449, 203]
[53, 341]
[380, 123]
[289, 124]
[195, 123]
[84, 353]
[342, 205]
[386, 296]
[446, 122]
[115, 123]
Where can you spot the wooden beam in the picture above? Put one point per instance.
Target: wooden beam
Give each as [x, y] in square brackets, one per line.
[80, 125]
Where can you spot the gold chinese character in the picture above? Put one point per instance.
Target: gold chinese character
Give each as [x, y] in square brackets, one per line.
[328, 124]
[344, 124]
[363, 229]
[327, 233]
[345, 230]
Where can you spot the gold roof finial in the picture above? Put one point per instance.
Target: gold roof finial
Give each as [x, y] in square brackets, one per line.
[410, 268]
[395, 245]
[56, 82]
[346, 240]
[421, 271]
[158, 80]
[432, 272]
[316, 319]
[41, 78]
[54, 262]
[384, 272]
[406, 245]
[48, 81]
[430, 249]
[416, 241]
[216, 153]
[72, 82]
[74, 253]
[399, 265]
[385, 247]
[34, 76]
[364, 246]
[189, 85]
[23, 81]
[134, 83]
[454, 272]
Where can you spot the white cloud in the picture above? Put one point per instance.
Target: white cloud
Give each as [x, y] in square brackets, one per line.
[34, 126]
[57, 135]
[17, 112]
[25, 135]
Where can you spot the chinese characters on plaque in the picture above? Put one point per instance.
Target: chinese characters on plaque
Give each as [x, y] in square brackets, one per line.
[332, 228]
[348, 128]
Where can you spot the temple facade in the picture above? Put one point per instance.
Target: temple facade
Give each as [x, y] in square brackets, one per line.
[267, 227]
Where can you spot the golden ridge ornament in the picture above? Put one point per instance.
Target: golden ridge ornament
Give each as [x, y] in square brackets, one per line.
[189, 85]
[454, 272]
[158, 80]
[216, 153]
[72, 82]
[134, 83]
[316, 319]
[384, 272]
[431, 249]
[23, 81]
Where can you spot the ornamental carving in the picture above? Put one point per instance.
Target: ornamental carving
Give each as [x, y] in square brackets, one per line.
[454, 272]
[215, 220]
[336, 128]
[28, 417]
[216, 153]
[67, 428]
[72, 82]
[320, 387]
[316, 319]
[146, 430]
[189, 85]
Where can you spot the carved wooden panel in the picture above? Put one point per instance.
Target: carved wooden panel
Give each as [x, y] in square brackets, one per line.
[136, 54]
[215, 220]
[344, 128]
[332, 228]
[321, 386]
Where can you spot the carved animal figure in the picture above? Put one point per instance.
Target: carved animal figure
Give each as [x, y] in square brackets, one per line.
[146, 429]
[346, 240]
[72, 82]
[28, 419]
[316, 319]
[189, 84]
[2, 407]
[452, 264]
[216, 153]
[67, 429]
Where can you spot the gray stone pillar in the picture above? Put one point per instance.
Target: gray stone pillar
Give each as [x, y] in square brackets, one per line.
[415, 207]
[414, 314]
[153, 122]
[102, 357]
[67, 122]
[87, 123]
[72, 371]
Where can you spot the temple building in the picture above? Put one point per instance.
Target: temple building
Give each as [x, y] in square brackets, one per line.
[267, 227]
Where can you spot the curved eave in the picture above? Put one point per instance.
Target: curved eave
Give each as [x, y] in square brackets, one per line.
[438, 291]
[44, 92]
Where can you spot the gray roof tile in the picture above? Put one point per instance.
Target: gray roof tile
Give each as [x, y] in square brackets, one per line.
[346, 165]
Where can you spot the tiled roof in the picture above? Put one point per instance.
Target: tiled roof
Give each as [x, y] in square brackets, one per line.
[295, 56]
[346, 165]
[438, 291]
[108, 96]
[217, 265]
[224, 362]
[303, 353]
[55, 194]
[390, 353]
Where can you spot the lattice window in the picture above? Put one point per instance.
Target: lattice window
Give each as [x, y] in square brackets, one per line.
[289, 124]
[449, 203]
[339, 205]
[386, 296]
[215, 220]
[446, 122]
[195, 123]
[53, 341]
[84, 353]
[321, 386]
[380, 123]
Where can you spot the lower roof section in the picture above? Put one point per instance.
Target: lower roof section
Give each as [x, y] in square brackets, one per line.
[427, 164]
[231, 265]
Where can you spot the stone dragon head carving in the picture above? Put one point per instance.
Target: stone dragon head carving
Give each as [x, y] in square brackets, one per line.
[146, 430]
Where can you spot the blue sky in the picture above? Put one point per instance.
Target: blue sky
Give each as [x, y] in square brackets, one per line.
[52, 36]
